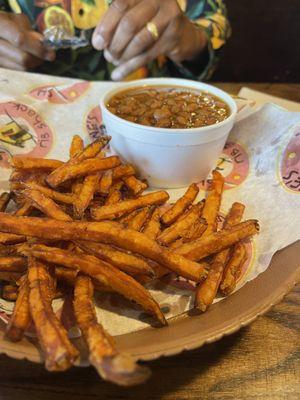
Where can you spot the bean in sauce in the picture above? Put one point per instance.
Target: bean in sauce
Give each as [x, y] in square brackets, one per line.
[169, 107]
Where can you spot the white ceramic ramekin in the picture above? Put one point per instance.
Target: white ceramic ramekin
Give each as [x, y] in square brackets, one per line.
[168, 158]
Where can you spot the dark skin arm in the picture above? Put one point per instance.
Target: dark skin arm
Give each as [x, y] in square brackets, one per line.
[127, 43]
[21, 47]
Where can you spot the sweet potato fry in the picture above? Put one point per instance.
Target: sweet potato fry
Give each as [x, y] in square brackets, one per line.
[152, 228]
[126, 262]
[92, 150]
[8, 276]
[218, 241]
[177, 209]
[85, 167]
[52, 194]
[82, 201]
[122, 171]
[135, 186]
[21, 176]
[207, 290]
[76, 146]
[13, 264]
[9, 250]
[10, 292]
[4, 200]
[24, 209]
[102, 272]
[105, 182]
[174, 231]
[103, 355]
[10, 238]
[126, 206]
[25, 163]
[139, 220]
[115, 234]
[115, 195]
[67, 276]
[58, 350]
[212, 203]
[20, 318]
[46, 205]
[233, 269]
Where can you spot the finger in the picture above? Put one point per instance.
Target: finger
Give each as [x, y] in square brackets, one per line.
[104, 31]
[143, 40]
[18, 56]
[139, 61]
[22, 21]
[29, 41]
[130, 24]
[9, 64]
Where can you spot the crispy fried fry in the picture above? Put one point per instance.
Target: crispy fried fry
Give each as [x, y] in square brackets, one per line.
[10, 292]
[233, 269]
[174, 231]
[92, 150]
[138, 221]
[212, 203]
[10, 238]
[135, 186]
[128, 263]
[4, 200]
[52, 194]
[206, 291]
[85, 167]
[46, 205]
[115, 234]
[22, 176]
[24, 209]
[115, 195]
[58, 350]
[9, 250]
[67, 277]
[76, 146]
[25, 163]
[8, 276]
[86, 194]
[103, 355]
[177, 209]
[218, 241]
[104, 273]
[152, 227]
[122, 171]
[126, 206]
[105, 182]
[13, 264]
[20, 318]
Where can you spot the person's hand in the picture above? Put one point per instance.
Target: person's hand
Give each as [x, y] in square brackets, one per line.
[21, 48]
[129, 41]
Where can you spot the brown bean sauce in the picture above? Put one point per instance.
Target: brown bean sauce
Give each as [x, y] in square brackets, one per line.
[168, 107]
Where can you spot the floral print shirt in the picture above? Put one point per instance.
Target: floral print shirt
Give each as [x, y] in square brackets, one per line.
[78, 17]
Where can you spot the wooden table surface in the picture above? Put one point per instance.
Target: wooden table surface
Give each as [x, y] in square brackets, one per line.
[260, 361]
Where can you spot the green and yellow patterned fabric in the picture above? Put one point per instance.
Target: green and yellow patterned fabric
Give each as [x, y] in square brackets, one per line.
[87, 63]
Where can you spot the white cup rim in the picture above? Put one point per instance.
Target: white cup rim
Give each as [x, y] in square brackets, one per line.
[176, 82]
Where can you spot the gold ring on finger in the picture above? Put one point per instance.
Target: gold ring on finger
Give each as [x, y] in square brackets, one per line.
[152, 29]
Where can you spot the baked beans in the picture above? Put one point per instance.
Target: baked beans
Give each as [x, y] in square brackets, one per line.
[168, 107]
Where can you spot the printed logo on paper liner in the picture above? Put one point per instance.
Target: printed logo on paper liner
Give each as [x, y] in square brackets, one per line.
[22, 131]
[60, 94]
[233, 164]
[94, 125]
[290, 164]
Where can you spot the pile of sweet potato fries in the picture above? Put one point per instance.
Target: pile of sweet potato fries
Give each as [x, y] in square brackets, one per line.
[84, 225]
